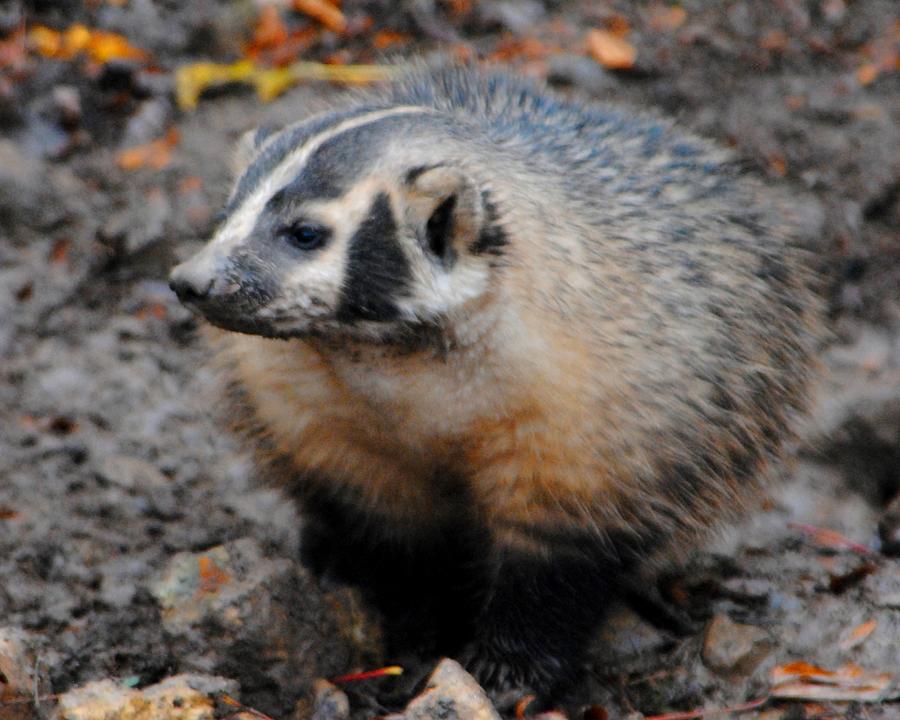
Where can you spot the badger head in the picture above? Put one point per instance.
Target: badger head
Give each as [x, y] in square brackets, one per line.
[354, 223]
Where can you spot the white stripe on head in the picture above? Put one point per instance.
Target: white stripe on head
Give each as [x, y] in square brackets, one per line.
[242, 221]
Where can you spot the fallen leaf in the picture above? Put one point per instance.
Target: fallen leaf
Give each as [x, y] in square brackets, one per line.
[831, 539]
[13, 50]
[867, 74]
[323, 11]
[192, 80]
[858, 635]
[665, 18]
[99, 45]
[156, 154]
[702, 713]
[389, 38]
[611, 51]
[59, 251]
[618, 25]
[774, 40]
[522, 706]
[368, 674]
[270, 31]
[803, 681]
[212, 577]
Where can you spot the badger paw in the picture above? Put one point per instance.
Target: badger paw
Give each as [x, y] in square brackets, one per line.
[509, 678]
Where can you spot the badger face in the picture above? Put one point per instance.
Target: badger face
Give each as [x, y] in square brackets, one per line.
[349, 224]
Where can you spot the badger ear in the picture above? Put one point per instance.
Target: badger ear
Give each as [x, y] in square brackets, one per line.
[247, 146]
[445, 206]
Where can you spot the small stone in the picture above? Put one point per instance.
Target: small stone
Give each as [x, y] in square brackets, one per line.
[182, 697]
[883, 587]
[231, 607]
[730, 648]
[130, 472]
[329, 703]
[451, 693]
[17, 662]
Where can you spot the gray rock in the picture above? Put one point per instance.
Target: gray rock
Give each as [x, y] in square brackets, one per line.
[182, 697]
[264, 621]
[730, 648]
[450, 693]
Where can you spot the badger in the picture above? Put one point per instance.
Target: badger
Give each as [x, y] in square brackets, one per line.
[505, 348]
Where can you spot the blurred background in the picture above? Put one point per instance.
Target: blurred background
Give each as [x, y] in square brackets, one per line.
[117, 119]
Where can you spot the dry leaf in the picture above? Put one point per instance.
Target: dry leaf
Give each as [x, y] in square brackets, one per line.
[831, 539]
[858, 634]
[388, 38]
[270, 30]
[802, 681]
[192, 80]
[665, 18]
[156, 154]
[867, 74]
[99, 45]
[611, 51]
[323, 11]
[702, 713]
[212, 577]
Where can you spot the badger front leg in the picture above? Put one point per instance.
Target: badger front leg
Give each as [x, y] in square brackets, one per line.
[545, 604]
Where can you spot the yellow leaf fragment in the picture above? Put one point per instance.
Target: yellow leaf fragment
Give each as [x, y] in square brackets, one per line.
[611, 51]
[192, 80]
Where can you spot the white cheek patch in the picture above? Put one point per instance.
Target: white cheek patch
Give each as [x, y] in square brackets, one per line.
[436, 292]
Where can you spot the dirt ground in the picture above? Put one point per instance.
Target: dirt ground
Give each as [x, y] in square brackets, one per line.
[112, 459]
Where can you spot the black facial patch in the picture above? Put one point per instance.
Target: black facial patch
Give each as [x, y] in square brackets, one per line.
[377, 271]
[493, 238]
[276, 152]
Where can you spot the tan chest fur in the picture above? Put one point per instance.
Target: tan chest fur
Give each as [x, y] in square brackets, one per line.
[515, 421]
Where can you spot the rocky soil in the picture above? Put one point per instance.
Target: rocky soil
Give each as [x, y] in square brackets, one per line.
[134, 544]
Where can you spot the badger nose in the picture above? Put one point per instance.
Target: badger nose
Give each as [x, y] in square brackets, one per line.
[190, 285]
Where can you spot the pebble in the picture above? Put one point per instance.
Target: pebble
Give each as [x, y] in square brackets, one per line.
[182, 697]
[450, 693]
[730, 648]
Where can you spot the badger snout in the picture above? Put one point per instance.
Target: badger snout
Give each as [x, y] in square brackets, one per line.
[191, 283]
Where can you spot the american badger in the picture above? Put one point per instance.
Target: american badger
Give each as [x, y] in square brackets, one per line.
[504, 347]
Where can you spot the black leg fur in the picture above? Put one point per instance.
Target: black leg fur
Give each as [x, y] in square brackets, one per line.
[427, 588]
[534, 633]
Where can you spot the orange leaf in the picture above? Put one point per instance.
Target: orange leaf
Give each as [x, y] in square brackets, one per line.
[665, 18]
[611, 51]
[858, 634]
[99, 45]
[270, 31]
[156, 154]
[800, 680]
[618, 25]
[388, 38]
[866, 74]
[831, 539]
[323, 11]
[368, 674]
[212, 577]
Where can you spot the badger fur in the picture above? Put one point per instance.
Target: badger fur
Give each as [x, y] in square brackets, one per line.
[503, 347]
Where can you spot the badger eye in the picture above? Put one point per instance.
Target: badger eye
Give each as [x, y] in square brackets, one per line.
[304, 236]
